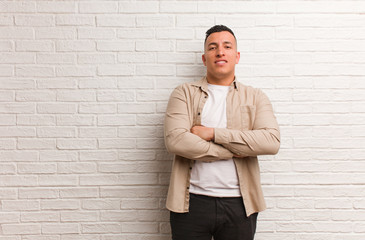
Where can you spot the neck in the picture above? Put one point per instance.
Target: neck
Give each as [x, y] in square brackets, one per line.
[224, 81]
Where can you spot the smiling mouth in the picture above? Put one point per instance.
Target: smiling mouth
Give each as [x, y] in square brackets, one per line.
[221, 62]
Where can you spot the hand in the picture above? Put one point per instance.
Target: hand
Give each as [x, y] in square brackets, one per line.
[203, 132]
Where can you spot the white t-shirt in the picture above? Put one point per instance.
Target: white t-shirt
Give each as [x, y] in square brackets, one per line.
[218, 178]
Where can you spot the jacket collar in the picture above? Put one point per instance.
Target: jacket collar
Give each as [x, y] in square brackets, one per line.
[203, 83]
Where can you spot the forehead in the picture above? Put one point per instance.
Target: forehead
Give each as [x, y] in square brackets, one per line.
[220, 37]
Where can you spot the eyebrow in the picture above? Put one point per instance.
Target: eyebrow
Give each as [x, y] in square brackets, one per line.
[214, 43]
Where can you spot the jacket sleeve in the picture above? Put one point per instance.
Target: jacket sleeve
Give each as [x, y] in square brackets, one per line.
[262, 139]
[178, 138]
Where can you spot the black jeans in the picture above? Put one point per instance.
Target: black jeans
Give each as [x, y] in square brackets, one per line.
[221, 218]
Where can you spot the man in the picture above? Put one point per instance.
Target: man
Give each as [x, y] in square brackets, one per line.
[216, 127]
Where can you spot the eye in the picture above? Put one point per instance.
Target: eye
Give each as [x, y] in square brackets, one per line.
[228, 47]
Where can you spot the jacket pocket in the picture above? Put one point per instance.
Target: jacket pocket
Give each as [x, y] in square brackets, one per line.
[248, 113]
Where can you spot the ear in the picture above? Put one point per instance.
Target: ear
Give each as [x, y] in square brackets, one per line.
[238, 57]
[204, 60]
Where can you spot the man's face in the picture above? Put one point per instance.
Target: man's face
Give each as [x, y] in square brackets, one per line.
[220, 54]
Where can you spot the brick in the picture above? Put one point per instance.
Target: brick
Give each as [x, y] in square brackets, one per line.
[31, 143]
[175, 33]
[76, 96]
[306, 7]
[35, 96]
[140, 132]
[136, 203]
[99, 155]
[75, 46]
[17, 58]
[37, 21]
[60, 204]
[18, 7]
[178, 7]
[79, 217]
[19, 156]
[27, 71]
[36, 193]
[86, 192]
[37, 217]
[20, 205]
[6, 46]
[101, 228]
[56, 7]
[139, 7]
[113, 46]
[57, 58]
[118, 216]
[101, 204]
[106, 83]
[135, 82]
[98, 7]
[97, 108]
[140, 57]
[55, 33]
[237, 7]
[116, 120]
[54, 108]
[57, 180]
[76, 168]
[58, 155]
[134, 192]
[156, 70]
[115, 70]
[155, 21]
[7, 168]
[75, 71]
[17, 33]
[194, 20]
[96, 58]
[116, 21]
[11, 229]
[34, 168]
[75, 120]
[175, 58]
[110, 180]
[150, 119]
[60, 228]
[155, 45]
[9, 218]
[75, 20]
[135, 33]
[60, 83]
[76, 144]
[96, 33]
[112, 143]
[140, 227]
[115, 96]
[8, 193]
[93, 132]
[6, 71]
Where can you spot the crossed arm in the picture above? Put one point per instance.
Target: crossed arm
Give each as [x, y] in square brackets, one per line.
[211, 144]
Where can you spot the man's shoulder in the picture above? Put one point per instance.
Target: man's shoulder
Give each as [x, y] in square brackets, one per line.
[189, 85]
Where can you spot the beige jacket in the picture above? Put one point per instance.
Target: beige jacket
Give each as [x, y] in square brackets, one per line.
[252, 130]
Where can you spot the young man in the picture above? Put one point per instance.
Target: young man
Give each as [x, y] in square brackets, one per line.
[216, 127]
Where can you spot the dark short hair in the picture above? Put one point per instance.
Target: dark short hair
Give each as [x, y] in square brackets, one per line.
[218, 28]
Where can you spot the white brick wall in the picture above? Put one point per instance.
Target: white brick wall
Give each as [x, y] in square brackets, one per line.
[84, 86]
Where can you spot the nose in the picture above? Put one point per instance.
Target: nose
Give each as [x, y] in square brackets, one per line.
[219, 52]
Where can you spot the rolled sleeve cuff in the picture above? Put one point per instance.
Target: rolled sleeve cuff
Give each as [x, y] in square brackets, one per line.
[221, 136]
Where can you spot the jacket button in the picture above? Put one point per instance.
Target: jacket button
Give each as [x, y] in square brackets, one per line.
[198, 113]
